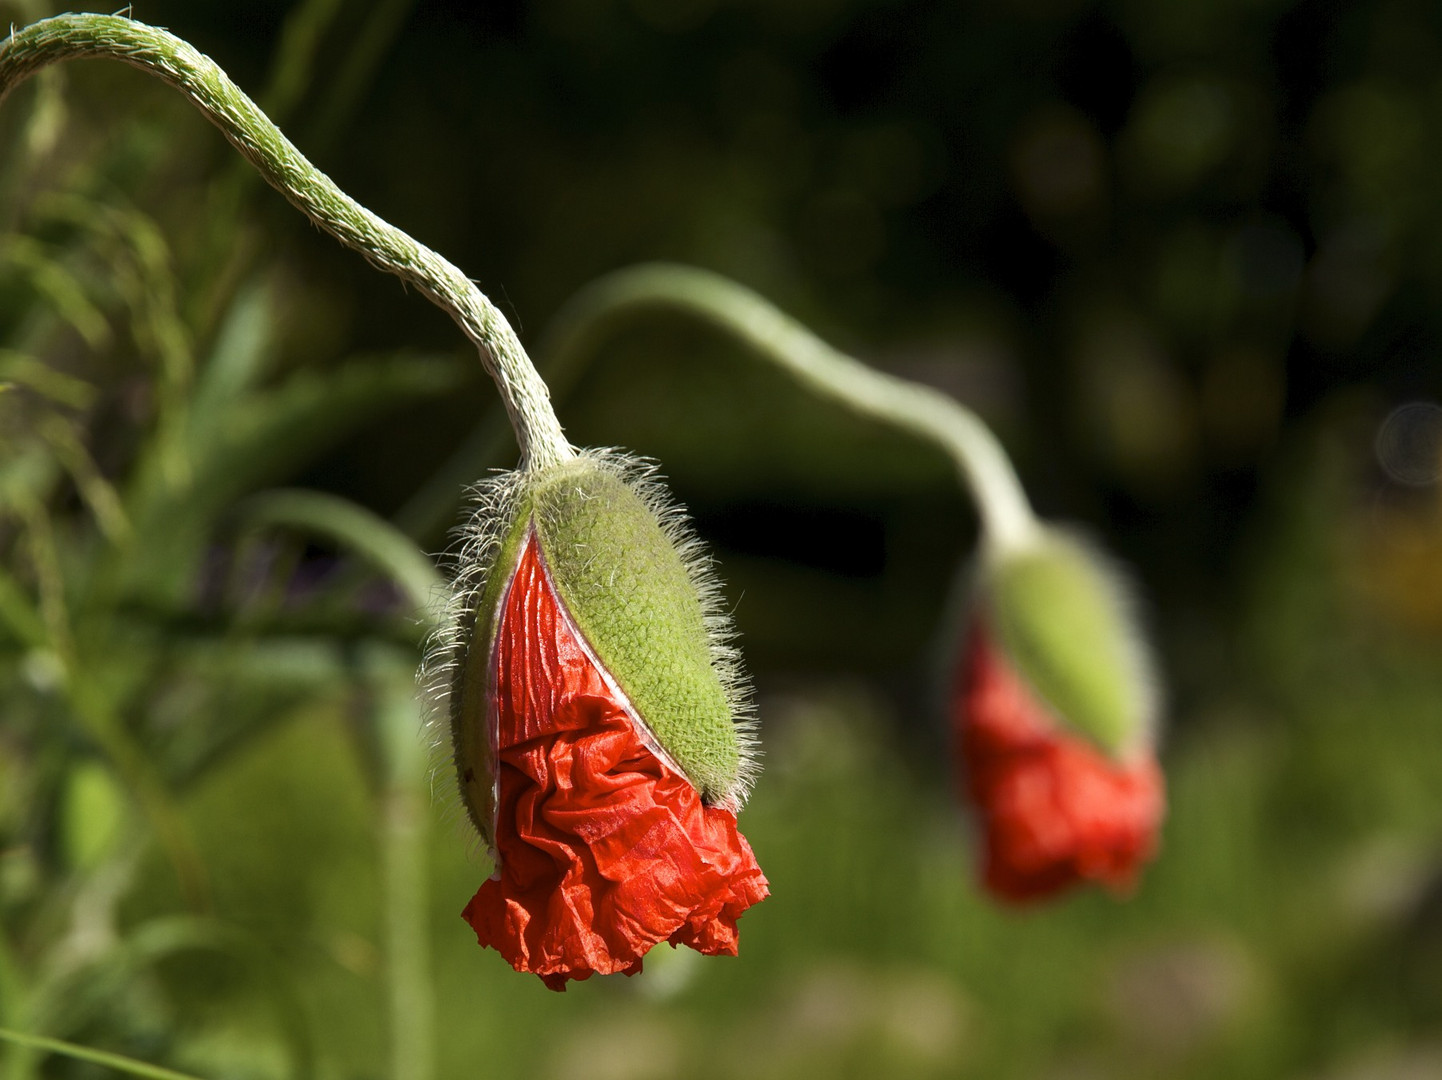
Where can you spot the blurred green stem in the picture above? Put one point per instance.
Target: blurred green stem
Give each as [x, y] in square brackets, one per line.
[220, 101]
[406, 874]
[984, 466]
[14, 1010]
[404, 793]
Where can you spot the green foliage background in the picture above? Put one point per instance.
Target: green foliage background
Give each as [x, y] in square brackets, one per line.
[1183, 257]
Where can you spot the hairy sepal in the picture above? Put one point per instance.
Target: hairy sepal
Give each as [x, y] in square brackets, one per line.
[637, 586]
[1065, 617]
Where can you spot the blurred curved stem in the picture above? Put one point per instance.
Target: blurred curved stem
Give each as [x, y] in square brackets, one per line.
[371, 537]
[260, 142]
[776, 337]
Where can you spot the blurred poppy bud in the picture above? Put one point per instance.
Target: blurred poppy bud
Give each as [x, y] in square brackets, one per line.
[598, 725]
[1053, 714]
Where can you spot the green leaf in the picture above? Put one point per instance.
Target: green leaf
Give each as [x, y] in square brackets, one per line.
[59, 286]
[238, 360]
[18, 614]
[25, 370]
[94, 809]
[257, 440]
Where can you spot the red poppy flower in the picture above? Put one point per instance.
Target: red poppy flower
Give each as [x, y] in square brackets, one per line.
[1055, 810]
[604, 848]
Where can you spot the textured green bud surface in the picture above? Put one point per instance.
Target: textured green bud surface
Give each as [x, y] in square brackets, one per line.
[623, 577]
[628, 589]
[1064, 623]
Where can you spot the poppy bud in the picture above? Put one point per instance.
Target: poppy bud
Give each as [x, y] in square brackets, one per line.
[598, 726]
[1053, 715]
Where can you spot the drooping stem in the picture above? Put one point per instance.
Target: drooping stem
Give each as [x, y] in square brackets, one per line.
[1007, 518]
[69, 37]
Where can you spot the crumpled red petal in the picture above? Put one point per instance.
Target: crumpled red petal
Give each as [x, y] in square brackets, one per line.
[604, 849]
[1054, 809]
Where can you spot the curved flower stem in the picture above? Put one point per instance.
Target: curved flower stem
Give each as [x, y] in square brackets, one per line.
[68, 37]
[1007, 518]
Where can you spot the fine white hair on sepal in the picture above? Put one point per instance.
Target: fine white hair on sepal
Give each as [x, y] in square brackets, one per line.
[644, 478]
[476, 543]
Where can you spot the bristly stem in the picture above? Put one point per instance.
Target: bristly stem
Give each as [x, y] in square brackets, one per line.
[69, 37]
[1007, 518]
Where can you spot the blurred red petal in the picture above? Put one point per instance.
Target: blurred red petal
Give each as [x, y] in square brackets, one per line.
[604, 848]
[1054, 809]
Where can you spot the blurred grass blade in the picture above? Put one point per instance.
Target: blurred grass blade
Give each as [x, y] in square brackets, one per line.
[268, 434]
[238, 360]
[165, 937]
[50, 581]
[96, 491]
[18, 614]
[384, 21]
[433, 509]
[260, 438]
[63, 389]
[305, 26]
[59, 286]
[140, 266]
[369, 536]
[97, 1057]
[142, 776]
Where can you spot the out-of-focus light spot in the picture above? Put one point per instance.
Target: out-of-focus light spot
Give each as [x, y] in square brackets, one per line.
[1349, 279]
[674, 16]
[1058, 164]
[1269, 260]
[1409, 444]
[1242, 395]
[1378, 140]
[895, 162]
[834, 1011]
[619, 1047]
[1141, 417]
[1175, 997]
[844, 232]
[1179, 131]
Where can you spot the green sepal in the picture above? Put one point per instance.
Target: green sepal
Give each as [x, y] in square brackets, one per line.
[618, 562]
[1064, 621]
[469, 710]
[628, 589]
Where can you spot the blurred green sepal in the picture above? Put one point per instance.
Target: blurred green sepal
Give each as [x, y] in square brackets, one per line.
[1064, 615]
[95, 810]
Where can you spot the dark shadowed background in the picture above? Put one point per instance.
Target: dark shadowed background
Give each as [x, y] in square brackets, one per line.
[1185, 258]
